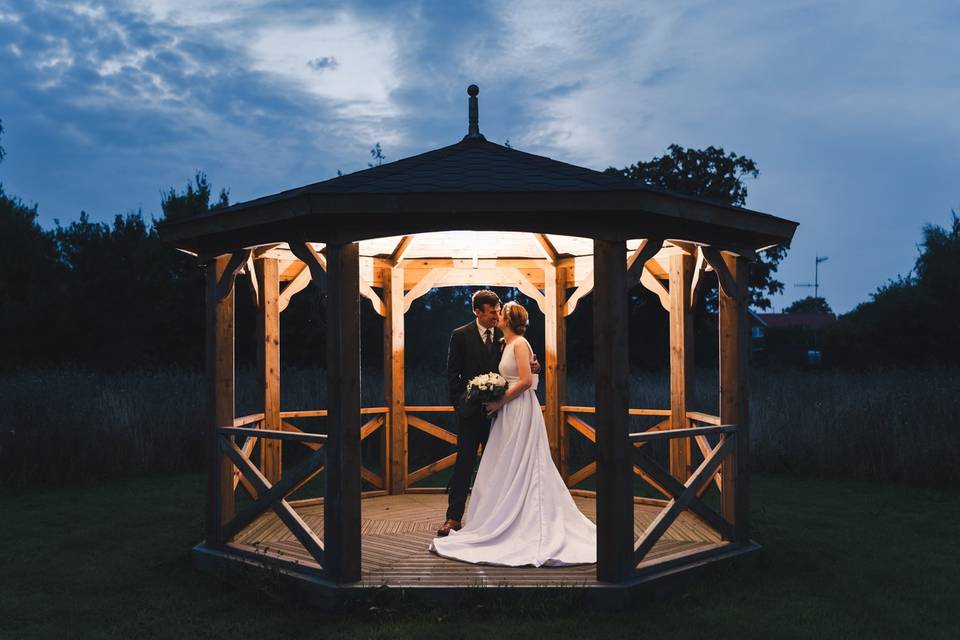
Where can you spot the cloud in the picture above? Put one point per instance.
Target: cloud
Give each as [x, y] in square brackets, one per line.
[324, 63]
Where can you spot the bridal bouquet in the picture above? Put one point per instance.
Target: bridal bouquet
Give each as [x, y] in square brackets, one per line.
[484, 388]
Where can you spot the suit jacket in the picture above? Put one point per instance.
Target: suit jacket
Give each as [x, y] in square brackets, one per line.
[467, 358]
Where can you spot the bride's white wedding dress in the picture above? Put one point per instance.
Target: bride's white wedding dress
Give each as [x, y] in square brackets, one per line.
[520, 511]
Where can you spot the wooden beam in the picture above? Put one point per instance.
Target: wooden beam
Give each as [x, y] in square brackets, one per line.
[692, 486]
[697, 279]
[549, 251]
[734, 409]
[524, 284]
[718, 262]
[582, 427]
[424, 285]
[235, 262]
[581, 474]
[637, 260]
[316, 262]
[552, 331]
[653, 285]
[252, 275]
[268, 359]
[401, 249]
[428, 427]
[341, 508]
[271, 496]
[681, 360]
[432, 468]
[367, 292]
[585, 287]
[220, 389]
[395, 442]
[298, 284]
[611, 375]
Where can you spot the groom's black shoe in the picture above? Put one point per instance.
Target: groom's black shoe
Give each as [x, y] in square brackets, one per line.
[448, 526]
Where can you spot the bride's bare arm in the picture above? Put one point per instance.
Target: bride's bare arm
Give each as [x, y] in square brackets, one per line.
[521, 352]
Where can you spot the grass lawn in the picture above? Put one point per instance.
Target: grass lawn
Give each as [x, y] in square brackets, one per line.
[841, 559]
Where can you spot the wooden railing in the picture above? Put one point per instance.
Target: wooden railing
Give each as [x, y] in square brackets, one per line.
[436, 431]
[678, 495]
[267, 496]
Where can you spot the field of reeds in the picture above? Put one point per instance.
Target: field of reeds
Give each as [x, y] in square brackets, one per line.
[65, 427]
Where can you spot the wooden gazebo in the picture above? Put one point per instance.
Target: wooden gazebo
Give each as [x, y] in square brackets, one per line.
[474, 213]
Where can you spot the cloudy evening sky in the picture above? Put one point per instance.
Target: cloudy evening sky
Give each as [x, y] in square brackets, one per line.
[850, 109]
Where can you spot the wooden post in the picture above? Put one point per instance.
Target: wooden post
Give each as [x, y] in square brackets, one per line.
[734, 353]
[395, 440]
[268, 359]
[553, 330]
[341, 506]
[220, 381]
[681, 360]
[611, 369]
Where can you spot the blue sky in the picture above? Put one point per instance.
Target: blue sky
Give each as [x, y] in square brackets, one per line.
[849, 108]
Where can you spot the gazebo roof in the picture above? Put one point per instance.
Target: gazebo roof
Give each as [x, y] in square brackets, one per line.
[482, 186]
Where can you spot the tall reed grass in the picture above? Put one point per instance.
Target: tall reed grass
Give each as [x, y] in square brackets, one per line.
[60, 427]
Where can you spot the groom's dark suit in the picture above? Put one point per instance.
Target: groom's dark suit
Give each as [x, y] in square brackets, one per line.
[467, 358]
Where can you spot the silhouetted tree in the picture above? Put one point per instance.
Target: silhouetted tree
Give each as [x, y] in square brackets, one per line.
[809, 304]
[712, 174]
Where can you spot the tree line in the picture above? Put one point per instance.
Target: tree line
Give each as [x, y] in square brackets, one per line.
[114, 296]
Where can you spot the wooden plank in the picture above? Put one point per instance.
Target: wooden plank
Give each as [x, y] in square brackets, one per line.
[284, 511]
[582, 474]
[310, 444]
[429, 409]
[219, 506]
[585, 288]
[244, 421]
[400, 250]
[611, 375]
[549, 251]
[268, 360]
[582, 427]
[734, 353]
[342, 504]
[428, 427]
[394, 385]
[672, 488]
[666, 517]
[298, 436]
[674, 434]
[551, 370]
[633, 412]
[432, 468]
[523, 283]
[719, 263]
[697, 279]
[423, 286]
[371, 426]
[298, 284]
[699, 416]
[227, 275]
[681, 360]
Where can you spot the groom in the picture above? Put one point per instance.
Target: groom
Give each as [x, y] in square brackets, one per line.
[475, 349]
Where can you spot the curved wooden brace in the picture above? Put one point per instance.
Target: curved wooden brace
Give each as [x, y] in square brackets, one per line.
[585, 287]
[425, 284]
[254, 285]
[529, 289]
[727, 284]
[295, 286]
[316, 262]
[695, 284]
[549, 251]
[225, 285]
[655, 286]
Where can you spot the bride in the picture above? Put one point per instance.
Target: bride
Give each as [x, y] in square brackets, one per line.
[520, 511]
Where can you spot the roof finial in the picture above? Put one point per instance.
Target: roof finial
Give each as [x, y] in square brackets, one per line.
[473, 131]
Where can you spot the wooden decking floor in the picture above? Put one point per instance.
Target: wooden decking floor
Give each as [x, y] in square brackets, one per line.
[397, 530]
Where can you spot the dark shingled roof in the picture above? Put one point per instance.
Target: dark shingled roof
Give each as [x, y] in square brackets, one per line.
[473, 165]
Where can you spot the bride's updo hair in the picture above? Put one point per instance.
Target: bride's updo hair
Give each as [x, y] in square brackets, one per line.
[516, 317]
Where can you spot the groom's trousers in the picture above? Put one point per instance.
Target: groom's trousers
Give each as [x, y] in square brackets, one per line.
[471, 432]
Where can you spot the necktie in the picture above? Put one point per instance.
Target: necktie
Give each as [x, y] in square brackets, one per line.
[488, 338]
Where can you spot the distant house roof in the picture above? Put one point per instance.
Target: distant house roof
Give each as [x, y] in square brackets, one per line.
[802, 320]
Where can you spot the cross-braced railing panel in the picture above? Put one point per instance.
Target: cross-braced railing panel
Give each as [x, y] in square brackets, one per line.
[434, 431]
